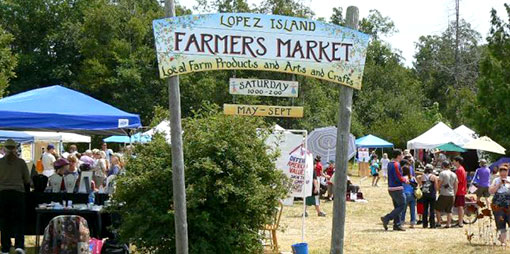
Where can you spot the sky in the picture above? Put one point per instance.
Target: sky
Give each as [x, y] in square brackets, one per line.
[412, 18]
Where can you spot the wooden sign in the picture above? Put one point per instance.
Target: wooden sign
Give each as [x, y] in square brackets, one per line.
[264, 87]
[246, 41]
[262, 110]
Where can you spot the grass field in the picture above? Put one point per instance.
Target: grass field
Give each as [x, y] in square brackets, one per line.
[364, 232]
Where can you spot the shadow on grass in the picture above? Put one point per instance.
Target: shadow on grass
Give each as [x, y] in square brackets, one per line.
[375, 230]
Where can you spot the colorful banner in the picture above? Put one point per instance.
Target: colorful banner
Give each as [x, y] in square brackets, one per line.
[263, 87]
[363, 155]
[262, 110]
[231, 41]
[26, 151]
[300, 172]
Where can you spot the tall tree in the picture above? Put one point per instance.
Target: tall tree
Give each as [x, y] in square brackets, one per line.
[44, 32]
[449, 74]
[101, 47]
[491, 113]
[337, 17]
[8, 60]
[390, 103]
[294, 8]
[117, 46]
[377, 25]
[222, 6]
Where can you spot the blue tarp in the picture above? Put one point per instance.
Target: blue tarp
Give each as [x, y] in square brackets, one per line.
[19, 137]
[371, 141]
[60, 108]
[499, 162]
[137, 138]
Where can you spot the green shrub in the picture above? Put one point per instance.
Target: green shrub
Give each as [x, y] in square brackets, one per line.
[232, 188]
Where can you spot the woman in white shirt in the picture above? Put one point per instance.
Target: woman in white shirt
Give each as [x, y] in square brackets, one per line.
[384, 166]
[48, 158]
[100, 168]
[501, 202]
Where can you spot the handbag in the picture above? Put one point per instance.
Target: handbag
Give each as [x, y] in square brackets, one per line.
[39, 166]
[112, 246]
[417, 193]
[472, 186]
[95, 246]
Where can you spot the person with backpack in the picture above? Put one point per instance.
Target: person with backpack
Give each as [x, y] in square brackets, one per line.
[428, 183]
[409, 192]
[396, 191]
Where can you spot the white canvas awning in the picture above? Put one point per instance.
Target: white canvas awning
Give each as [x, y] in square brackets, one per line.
[466, 133]
[163, 128]
[485, 144]
[436, 136]
[285, 142]
[63, 137]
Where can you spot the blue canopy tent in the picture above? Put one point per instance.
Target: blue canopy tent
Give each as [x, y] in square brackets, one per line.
[137, 138]
[19, 137]
[62, 109]
[371, 141]
[499, 162]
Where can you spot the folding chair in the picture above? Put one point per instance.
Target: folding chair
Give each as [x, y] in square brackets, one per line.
[272, 228]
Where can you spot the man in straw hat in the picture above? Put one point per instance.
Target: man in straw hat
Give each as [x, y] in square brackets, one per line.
[14, 176]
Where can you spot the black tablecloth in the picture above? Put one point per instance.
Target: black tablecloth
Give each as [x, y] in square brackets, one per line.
[36, 198]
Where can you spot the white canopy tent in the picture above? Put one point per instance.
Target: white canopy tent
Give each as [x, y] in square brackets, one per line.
[163, 128]
[466, 133]
[436, 136]
[285, 141]
[485, 144]
[63, 137]
[32, 150]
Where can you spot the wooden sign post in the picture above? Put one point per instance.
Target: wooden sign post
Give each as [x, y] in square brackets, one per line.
[342, 153]
[179, 190]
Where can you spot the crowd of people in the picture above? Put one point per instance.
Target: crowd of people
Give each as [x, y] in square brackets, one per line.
[437, 194]
[15, 179]
[323, 180]
[103, 163]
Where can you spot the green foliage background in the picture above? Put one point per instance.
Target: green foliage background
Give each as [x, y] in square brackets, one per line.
[106, 49]
[232, 188]
[491, 110]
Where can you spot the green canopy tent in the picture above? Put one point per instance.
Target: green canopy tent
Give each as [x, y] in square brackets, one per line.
[451, 147]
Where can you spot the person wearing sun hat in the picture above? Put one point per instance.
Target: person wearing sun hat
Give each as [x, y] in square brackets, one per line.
[482, 180]
[14, 175]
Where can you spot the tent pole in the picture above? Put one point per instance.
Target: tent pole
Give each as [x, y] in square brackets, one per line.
[304, 191]
[179, 188]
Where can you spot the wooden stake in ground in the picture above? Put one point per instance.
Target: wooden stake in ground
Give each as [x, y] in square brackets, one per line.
[179, 189]
[342, 152]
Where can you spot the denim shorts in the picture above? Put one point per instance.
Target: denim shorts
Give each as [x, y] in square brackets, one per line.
[502, 218]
